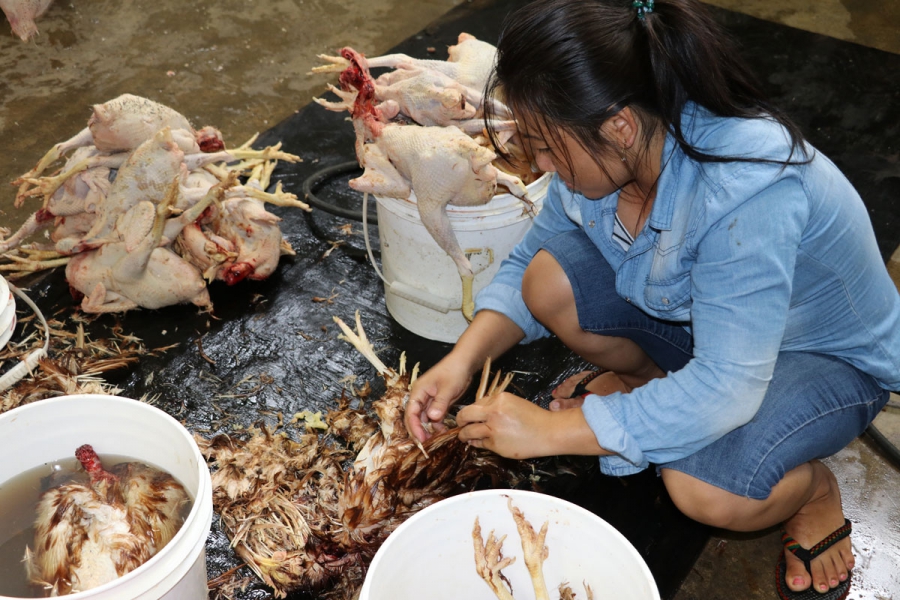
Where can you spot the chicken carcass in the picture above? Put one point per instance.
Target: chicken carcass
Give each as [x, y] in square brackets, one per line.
[441, 165]
[121, 125]
[427, 97]
[470, 62]
[88, 534]
[72, 208]
[21, 15]
[134, 270]
[144, 176]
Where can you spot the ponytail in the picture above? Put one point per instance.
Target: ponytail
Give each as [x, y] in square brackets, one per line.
[576, 63]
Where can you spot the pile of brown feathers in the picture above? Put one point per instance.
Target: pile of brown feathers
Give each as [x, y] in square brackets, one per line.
[304, 517]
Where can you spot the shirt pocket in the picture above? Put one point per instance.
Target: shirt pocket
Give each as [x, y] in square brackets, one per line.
[670, 298]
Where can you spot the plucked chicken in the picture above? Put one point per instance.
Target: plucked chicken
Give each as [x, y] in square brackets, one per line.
[121, 125]
[88, 534]
[133, 269]
[124, 249]
[470, 62]
[440, 165]
[21, 15]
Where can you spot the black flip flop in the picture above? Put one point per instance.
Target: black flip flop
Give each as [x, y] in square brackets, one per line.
[581, 386]
[790, 544]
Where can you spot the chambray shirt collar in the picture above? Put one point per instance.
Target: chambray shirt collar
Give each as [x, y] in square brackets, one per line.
[670, 164]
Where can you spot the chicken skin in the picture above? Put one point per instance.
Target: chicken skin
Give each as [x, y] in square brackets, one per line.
[88, 534]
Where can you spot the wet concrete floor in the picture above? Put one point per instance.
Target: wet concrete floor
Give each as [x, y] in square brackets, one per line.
[241, 66]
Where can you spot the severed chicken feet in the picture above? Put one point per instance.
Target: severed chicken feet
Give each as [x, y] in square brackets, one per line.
[489, 560]
[535, 550]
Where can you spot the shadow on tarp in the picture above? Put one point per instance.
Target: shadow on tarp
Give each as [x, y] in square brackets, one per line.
[271, 347]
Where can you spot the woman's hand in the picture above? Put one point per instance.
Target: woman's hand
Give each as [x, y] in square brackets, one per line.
[489, 334]
[432, 394]
[516, 428]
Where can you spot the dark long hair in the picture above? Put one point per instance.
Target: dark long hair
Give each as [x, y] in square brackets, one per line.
[573, 64]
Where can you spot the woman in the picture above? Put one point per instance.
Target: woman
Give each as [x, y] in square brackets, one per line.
[721, 274]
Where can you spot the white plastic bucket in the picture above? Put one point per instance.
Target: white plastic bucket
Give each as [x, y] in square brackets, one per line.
[7, 313]
[432, 554]
[47, 430]
[431, 300]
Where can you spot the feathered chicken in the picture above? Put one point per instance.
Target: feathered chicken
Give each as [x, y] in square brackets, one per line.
[302, 522]
[90, 533]
[394, 476]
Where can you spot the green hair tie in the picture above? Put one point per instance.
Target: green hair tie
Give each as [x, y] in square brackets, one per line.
[644, 8]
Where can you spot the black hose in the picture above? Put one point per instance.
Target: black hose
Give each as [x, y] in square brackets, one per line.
[885, 444]
[318, 178]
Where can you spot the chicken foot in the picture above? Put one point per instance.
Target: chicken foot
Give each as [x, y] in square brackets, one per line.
[489, 562]
[535, 550]
[20, 266]
[47, 186]
[82, 138]
[244, 152]
[278, 197]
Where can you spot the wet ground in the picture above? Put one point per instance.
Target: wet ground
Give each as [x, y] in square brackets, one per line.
[241, 66]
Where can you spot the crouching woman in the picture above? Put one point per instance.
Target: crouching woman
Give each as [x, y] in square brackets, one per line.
[720, 273]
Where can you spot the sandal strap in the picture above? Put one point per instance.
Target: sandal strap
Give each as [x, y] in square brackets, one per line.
[581, 386]
[807, 556]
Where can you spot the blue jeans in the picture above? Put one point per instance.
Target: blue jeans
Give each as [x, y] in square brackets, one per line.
[815, 403]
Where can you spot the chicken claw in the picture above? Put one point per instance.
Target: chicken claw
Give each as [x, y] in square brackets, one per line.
[489, 561]
[267, 153]
[535, 551]
[338, 64]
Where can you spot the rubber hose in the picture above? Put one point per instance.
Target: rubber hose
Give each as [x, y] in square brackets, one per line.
[318, 178]
[885, 444]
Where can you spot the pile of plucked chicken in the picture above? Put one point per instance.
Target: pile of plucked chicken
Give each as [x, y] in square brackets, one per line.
[420, 136]
[309, 513]
[146, 210]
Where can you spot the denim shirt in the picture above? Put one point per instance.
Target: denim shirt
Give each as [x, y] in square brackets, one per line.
[753, 258]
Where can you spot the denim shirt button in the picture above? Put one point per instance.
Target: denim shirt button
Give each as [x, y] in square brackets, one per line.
[590, 224]
[628, 300]
[665, 300]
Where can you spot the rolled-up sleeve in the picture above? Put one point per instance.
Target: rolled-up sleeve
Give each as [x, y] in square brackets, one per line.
[741, 283]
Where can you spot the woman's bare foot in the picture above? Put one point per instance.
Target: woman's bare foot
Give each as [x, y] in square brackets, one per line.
[815, 521]
[604, 384]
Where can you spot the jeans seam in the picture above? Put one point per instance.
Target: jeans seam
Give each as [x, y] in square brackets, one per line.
[774, 446]
[654, 334]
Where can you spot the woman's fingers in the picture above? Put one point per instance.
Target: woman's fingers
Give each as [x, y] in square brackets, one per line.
[565, 403]
[476, 432]
[473, 413]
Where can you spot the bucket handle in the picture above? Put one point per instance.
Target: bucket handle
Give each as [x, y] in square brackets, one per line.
[413, 294]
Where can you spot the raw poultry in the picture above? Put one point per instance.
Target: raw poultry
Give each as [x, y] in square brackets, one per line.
[470, 62]
[436, 165]
[90, 531]
[490, 562]
[303, 522]
[134, 269]
[429, 92]
[125, 216]
[21, 15]
[121, 125]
